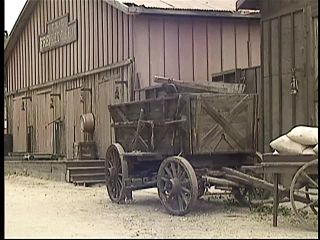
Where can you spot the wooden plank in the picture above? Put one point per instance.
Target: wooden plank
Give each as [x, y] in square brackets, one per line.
[120, 36]
[32, 24]
[299, 56]
[200, 50]
[80, 51]
[214, 47]
[276, 84]
[171, 45]
[95, 38]
[115, 43]
[228, 47]
[141, 40]
[91, 34]
[72, 50]
[255, 42]
[242, 43]
[186, 66]
[156, 47]
[83, 36]
[125, 36]
[266, 86]
[110, 32]
[36, 52]
[68, 46]
[105, 33]
[100, 33]
[59, 52]
[47, 76]
[286, 67]
[86, 33]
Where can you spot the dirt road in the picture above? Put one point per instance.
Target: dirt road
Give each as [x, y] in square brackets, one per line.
[36, 208]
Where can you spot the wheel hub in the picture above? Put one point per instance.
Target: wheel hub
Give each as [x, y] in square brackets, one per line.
[173, 186]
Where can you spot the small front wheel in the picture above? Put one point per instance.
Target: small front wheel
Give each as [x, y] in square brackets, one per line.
[177, 185]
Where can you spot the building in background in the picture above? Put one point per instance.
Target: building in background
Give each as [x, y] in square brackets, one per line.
[289, 64]
[66, 58]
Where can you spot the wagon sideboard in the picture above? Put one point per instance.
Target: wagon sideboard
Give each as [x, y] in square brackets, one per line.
[189, 124]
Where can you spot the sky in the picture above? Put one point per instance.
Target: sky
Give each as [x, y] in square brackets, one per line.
[12, 9]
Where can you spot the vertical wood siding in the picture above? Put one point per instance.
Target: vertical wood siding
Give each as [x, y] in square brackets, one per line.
[286, 53]
[103, 39]
[192, 48]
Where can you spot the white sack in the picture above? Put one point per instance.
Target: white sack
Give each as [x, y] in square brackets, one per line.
[308, 151]
[304, 135]
[315, 149]
[285, 145]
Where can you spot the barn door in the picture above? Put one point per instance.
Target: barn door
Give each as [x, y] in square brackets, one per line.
[19, 125]
[287, 84]
[73, 111]
[44, 124]
[110, 91]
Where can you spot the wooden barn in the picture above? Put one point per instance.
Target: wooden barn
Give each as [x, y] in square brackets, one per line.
[66, 58]
[289, 51]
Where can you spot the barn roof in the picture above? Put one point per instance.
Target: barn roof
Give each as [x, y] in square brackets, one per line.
[207, 8]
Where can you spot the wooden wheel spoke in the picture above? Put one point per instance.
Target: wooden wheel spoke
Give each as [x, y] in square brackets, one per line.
[309, 179]
[173, 168]
[182, 176]
[184, 198]
[179, 171]
[310, 204]
[305, 192]
[186, 190]
[185, 182]
[167, 170]
[165, 179]
[180, 202]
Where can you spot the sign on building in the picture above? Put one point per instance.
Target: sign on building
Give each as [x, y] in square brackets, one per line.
[59, 33]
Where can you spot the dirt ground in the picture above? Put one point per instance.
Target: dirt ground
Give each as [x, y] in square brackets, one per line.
[36, 208]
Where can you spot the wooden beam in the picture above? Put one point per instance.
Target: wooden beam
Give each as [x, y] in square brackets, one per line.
[76, 76]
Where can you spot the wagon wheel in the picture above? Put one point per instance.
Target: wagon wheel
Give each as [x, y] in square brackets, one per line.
[177, 185]
[305, 184]
[115, 171]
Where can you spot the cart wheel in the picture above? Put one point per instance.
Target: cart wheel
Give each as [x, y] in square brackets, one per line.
[304, 186]
[177, 185]
[115, 171]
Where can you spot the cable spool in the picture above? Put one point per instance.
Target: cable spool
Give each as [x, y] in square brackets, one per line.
[87, 122]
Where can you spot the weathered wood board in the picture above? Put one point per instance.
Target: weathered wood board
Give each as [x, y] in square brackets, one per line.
[191, 123]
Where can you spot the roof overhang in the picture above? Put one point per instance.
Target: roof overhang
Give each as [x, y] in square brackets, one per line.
[248, 4]
[136, 10]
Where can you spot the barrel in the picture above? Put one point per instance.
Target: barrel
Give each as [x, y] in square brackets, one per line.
[87, 123]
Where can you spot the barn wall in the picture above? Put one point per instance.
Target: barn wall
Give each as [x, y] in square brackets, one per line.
[51, 84]
[103, 38]
[192, 48]
[288, 53]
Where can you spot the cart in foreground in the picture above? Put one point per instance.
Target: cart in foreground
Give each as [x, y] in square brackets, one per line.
[185, 142]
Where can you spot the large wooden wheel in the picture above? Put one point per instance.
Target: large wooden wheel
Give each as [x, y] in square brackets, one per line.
[177, 185]
[305, 186]
[116, 171]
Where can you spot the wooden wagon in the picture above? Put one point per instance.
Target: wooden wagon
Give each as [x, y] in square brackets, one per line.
[183, 143]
